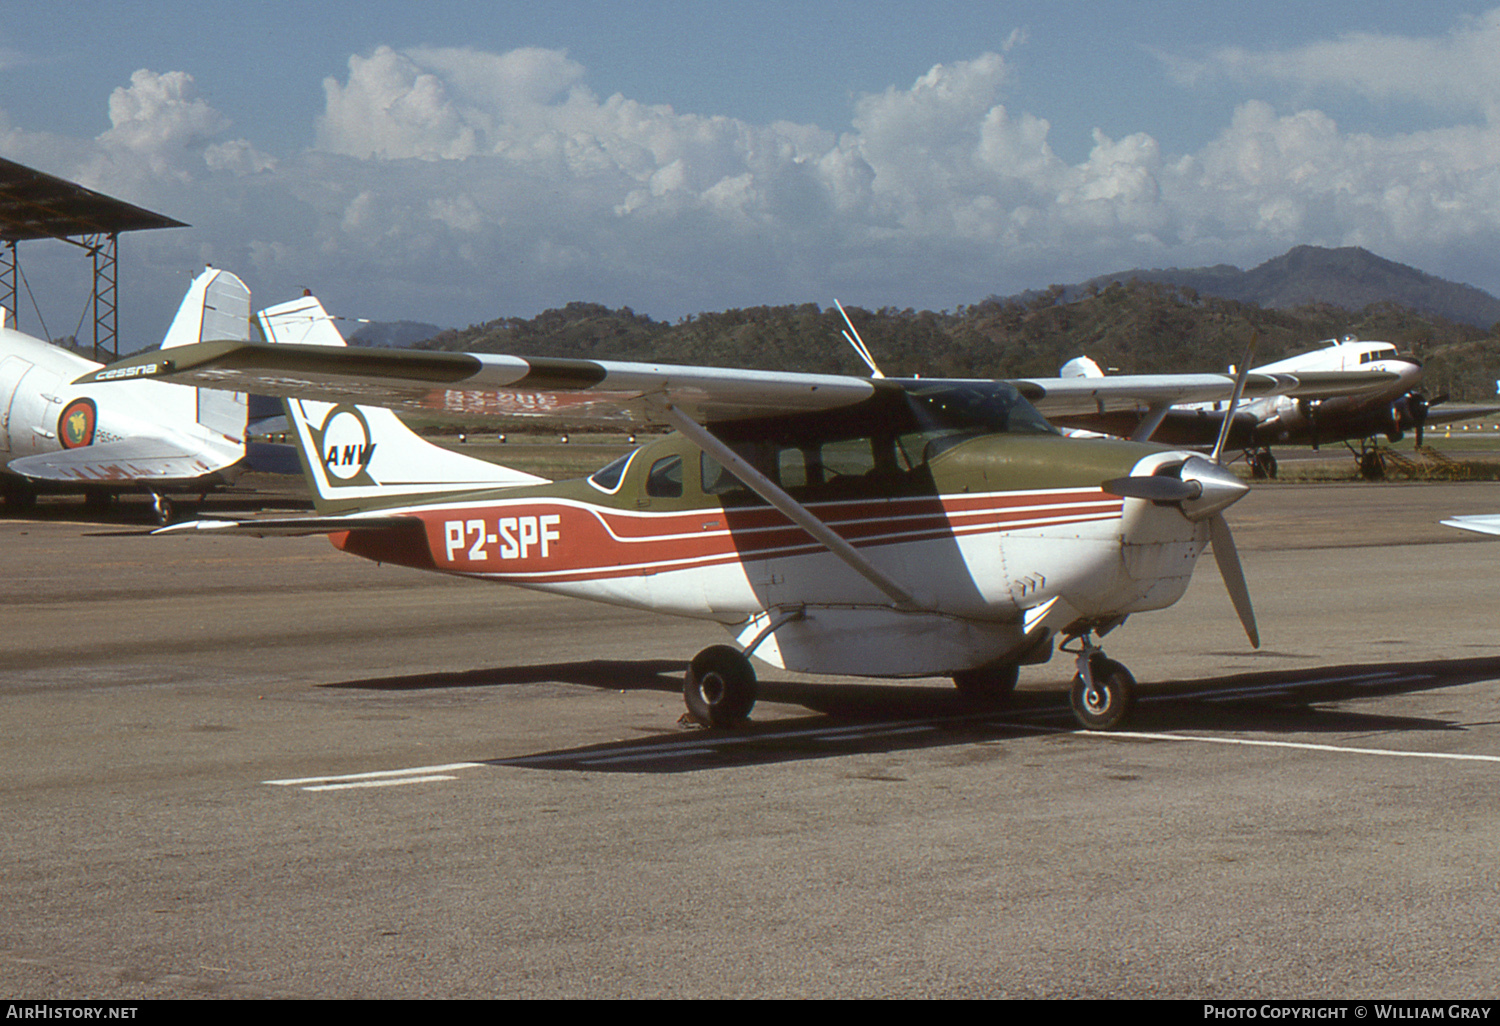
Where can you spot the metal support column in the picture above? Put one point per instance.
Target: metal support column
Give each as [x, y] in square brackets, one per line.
[9, 275]
[102, 249]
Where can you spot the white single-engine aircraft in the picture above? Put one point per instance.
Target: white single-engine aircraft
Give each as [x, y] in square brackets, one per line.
[1391, 406]
[838, 525]
[132, 435]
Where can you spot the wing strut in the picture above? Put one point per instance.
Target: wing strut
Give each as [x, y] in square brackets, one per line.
[1155, 414]
[790, 507]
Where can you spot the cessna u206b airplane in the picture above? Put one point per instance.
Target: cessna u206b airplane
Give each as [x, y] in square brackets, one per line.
[838, 525]
[134, 435]
[1391, 406]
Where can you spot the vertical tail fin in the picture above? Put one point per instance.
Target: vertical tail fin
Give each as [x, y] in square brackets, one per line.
[362, 457]
[300, 321]
[217, 305]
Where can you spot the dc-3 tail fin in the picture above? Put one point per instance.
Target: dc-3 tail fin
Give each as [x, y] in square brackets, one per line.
[364, 457]
[217, 305]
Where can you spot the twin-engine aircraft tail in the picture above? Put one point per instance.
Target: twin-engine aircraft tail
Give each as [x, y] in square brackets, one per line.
[364, 457]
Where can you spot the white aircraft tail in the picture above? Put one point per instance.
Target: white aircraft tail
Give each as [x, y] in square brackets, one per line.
[217, 305]
[1080, 367]
[364, 457]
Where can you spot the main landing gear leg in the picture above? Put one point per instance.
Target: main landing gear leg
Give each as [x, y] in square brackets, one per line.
[1103, 690]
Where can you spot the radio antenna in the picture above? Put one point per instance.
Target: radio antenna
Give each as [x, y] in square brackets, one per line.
[852, 337]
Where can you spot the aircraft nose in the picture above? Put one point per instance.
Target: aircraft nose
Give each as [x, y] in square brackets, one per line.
[1405, 366]
[1199, 487]
[1218, 488]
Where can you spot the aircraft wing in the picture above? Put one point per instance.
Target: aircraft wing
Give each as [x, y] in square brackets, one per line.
[1454, 414]
[148, 461]
[1487, 524]
[493, 385]
[1127, 391]
[486, 384]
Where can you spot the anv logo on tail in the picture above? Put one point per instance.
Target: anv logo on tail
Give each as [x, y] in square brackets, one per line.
[345, 446]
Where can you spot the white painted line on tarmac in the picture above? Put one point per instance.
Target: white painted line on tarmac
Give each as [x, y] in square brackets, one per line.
[377, 778]
[398, 782]
[1302, 745]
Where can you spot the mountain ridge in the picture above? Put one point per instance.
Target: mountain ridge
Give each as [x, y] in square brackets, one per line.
[1350, 277]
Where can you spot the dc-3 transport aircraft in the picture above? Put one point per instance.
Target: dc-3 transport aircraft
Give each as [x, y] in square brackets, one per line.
[1390, 409]
[840, 525]
[137, 435]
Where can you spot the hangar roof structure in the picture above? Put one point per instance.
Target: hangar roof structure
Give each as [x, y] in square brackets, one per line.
[36, 205]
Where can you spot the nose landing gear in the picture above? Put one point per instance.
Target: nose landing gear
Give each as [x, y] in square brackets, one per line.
[1103, 691]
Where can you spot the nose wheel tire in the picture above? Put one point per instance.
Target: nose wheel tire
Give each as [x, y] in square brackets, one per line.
[1106, 704]
[720, 687]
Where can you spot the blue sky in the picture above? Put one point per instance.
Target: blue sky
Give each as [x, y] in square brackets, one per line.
[456, 162]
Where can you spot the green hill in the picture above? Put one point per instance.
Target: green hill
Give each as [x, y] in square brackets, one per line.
[1129, 327]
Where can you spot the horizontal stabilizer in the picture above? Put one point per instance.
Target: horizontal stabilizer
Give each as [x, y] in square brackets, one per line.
[291, 527]
[152, 461]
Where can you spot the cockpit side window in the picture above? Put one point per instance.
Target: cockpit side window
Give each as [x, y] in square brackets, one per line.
[664, 480]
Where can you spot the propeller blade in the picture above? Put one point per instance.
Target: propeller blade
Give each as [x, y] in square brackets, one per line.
[1156, 489]
[1234, 399]
[1418, 406]
[1228, 558]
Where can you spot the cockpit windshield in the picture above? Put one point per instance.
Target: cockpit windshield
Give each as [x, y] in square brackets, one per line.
[984, 407]
[607, 478]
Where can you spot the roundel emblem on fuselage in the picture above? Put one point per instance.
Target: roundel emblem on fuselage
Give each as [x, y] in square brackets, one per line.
[346, 445]
[75, 427]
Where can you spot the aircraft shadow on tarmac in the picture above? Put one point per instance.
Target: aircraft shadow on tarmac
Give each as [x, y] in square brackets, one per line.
[610, 674]
[857, 718]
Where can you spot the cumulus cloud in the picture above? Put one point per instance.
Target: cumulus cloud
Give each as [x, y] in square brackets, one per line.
[1452, 71]
[453, 185]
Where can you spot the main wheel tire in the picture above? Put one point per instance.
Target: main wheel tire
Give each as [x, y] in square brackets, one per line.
[1107, 706]
[720, 687]
[987, 685]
